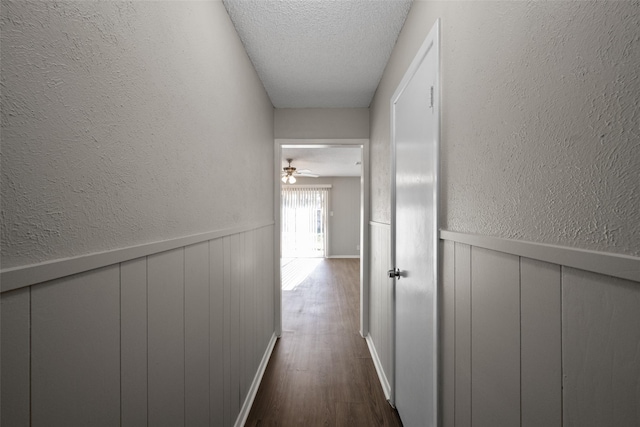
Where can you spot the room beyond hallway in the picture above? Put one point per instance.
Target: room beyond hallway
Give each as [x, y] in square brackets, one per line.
[321, 372]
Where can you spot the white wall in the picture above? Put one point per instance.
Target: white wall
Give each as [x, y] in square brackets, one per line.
[344, 202]
[121, 123]
[540, 134]
[539, 143]
[322, 123]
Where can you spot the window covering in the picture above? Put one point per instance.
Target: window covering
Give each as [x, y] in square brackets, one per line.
[304, 221]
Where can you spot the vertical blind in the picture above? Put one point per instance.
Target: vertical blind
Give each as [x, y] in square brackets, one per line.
[304, 221]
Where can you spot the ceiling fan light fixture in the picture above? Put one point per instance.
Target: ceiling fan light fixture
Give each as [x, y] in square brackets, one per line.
[288, 178]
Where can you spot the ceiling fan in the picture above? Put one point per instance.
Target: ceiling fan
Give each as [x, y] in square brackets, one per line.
[290, 173]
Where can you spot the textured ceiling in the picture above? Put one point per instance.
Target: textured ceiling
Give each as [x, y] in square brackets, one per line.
[331, 161]
[319, 53]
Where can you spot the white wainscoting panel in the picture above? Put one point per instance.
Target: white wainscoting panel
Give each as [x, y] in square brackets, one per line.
[217, 310]
[247, 315]
[15, 324]
[178, 337]
[524, 341]
[257, 304]
[133, 339]
[267, 296]
[601, 350]
[229, 391]
[380, 338]
[495, 339]
[462, 265]
[75, 350]
[541, 342]
[537, 343]
[234, 322]
[196, 331]
[166, 338]
[447, 325]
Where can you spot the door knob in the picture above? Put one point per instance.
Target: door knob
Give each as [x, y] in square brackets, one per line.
[394, 273]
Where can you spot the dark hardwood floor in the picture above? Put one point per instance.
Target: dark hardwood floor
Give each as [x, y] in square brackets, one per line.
[321, 372]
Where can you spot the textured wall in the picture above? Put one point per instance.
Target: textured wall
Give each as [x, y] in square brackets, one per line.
[325, 123]
[540, 120]
[122, 123]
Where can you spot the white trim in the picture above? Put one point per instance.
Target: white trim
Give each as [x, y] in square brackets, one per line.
[364, 218]
[365, 248]
[307, 186]
[344, 256]
[384, 382]
[318, 143]
[19, 277]
[255, 385]
[610, 264]
[277, 239]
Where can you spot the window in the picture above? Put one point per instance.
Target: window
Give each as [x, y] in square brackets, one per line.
[304, 221]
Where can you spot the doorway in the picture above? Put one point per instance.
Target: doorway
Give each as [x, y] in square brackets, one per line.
[361, 224]
[304, 225]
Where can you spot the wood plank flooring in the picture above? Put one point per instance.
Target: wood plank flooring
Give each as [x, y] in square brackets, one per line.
[321, 372]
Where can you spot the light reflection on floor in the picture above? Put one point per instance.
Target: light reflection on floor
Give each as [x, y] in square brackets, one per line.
[295, 270]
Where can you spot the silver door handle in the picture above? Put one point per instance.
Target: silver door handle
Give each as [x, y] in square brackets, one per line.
[394, 273]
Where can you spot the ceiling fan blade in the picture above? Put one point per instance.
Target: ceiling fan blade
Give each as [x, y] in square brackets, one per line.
[304, 170]
[308, 175]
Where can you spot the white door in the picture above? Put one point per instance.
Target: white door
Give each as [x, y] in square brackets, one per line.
[415, 121]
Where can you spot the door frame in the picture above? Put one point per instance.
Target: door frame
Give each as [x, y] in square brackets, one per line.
[432, 40]
[363, 143]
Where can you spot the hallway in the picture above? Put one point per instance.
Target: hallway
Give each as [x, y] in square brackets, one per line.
[321, 372]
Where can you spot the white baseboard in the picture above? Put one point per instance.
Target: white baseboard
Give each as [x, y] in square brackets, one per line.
[343, 256]
[386, 388]
[255, 385]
